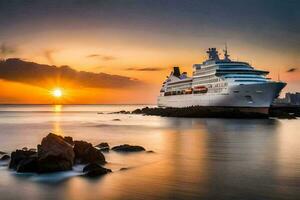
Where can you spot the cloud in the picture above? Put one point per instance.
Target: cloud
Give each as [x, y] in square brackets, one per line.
[93, 55]
[48, 54]
[7, 50]
[292, 70]
[17, 70]
[148, 69]
[102, 57]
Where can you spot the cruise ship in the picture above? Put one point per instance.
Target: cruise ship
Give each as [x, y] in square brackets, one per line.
[220, 83]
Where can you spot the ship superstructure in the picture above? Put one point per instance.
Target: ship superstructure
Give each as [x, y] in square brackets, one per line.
[220, 83]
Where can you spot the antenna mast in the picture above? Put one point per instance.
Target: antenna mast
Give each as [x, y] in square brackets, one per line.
[226, 55]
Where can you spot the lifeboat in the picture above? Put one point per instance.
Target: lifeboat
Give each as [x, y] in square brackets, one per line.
[200, 89]
[188, 91]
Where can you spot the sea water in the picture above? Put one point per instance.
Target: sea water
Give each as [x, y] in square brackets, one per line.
[193, 159]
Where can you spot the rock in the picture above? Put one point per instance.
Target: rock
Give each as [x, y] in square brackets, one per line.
[32, 149]
[95, 170]
[137, 111]
[5, 157]
[150, 151]
[199, 111]
[54, 154]
[25, 149]
[86, 153]
[29, 165]
[124, 112]
[69, 140]
[18, 156]
[103, 146]
[120, 112]
[128, 148]
[1, 153]
[116, 120]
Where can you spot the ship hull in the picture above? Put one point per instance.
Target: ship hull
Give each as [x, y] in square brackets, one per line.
[247, 98]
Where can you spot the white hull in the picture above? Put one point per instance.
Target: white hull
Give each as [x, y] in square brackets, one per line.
[262, 96]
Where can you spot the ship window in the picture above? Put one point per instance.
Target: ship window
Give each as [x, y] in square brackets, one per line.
[236, 91]
[249, 99]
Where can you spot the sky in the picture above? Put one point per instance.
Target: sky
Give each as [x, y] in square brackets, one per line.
[120, 51]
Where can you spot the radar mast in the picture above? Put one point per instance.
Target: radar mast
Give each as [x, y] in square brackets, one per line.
[226, 55]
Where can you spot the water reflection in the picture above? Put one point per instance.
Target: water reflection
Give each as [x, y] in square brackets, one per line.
[57, 119]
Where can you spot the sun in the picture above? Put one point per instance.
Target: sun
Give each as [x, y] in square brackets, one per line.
[57, 92]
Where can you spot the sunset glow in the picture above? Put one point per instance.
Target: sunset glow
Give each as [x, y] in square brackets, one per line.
[57, 92]
[114, 48]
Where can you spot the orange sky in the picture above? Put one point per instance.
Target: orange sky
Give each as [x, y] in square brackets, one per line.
[75, 56]
[125, 37]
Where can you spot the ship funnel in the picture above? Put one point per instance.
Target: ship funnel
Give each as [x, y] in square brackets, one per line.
[176, 71]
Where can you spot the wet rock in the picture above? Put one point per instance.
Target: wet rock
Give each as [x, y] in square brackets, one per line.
[128, 148]
[29, 165]
[103, 146]
[18, 156]
[86, 153]
[25, 149]
[116, 120]
[54, 154]
[95, 170]
[150, 151]
[69, 140]
[5, 157]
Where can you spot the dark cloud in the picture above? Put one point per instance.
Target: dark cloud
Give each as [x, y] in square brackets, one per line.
[7, 50]
[292, 70]
[40, 75]
[101, 57]
[148, 69]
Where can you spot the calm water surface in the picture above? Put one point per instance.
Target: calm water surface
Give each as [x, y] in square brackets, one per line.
[194, 159]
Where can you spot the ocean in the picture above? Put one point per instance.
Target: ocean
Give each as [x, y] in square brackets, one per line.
[194, 158]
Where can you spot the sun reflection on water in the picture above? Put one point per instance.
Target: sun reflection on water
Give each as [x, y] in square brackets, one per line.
[57, 108]
[56, 119]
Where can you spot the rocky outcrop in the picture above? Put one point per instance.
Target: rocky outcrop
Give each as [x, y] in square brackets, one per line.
[18, 156]
[200, 112]
[69, 140]
[5, 157]
[55, 154]
[29, 165]
[32, 149]
[120, 112]
[103, 146]
[1, 153]
[86, 153]
[95, 170]
[128, 148]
